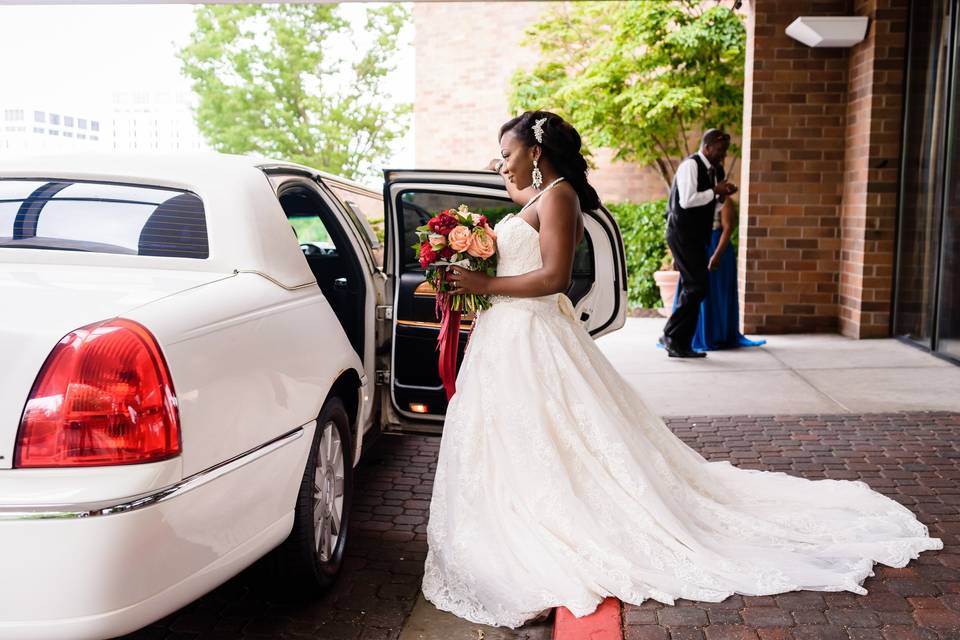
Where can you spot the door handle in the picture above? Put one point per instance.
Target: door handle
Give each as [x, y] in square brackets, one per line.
[340, 283]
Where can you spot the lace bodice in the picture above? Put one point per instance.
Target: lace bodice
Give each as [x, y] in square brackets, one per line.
[518, 249]
[518, 246]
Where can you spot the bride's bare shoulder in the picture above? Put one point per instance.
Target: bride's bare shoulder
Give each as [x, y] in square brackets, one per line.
[561, 201]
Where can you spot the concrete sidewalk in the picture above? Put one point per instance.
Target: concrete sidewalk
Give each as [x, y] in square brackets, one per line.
[791, 374]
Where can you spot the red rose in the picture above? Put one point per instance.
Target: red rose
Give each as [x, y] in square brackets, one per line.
[482, 222]
[447, 252]
[427, 255]
[442, 223]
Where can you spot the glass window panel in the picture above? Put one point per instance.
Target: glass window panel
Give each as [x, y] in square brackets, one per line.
[919, 236]
[8, 213]
[948, 322]
[116, 192]
[117, 223]
[19, 189]
[103, 218]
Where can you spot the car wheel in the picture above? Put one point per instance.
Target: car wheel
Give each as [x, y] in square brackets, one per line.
[311, 556]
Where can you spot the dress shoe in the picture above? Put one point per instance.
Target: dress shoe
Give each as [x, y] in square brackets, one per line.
[673, 352]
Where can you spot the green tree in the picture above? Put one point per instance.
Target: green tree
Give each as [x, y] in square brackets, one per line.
[272, 79]
[642, 78]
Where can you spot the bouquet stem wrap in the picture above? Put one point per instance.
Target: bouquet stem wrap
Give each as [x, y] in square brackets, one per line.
[455, 237]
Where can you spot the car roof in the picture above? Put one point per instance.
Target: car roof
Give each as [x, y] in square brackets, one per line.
[186, 167]
[246, 226]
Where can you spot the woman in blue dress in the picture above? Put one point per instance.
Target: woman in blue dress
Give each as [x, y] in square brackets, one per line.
[718, 326]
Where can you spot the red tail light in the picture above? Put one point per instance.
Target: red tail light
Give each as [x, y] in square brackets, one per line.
[103, 397]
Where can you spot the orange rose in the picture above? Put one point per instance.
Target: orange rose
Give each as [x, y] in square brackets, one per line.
[459, 238]
[481, 245]
[489, 231]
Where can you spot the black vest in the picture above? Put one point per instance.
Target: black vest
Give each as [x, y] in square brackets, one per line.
[695, 223]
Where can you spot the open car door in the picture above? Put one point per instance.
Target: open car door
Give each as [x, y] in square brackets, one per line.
[415, 401]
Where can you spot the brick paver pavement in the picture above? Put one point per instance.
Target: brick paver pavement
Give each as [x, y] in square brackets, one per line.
[912, 457]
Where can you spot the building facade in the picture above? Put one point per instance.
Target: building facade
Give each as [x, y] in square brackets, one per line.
[26, 128]
[135, 120]
[149, 120]
[465, 55]
[849, 222]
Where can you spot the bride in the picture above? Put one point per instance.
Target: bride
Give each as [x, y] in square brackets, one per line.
[557, 486]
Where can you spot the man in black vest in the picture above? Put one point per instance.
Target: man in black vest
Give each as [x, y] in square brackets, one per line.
[697, 192]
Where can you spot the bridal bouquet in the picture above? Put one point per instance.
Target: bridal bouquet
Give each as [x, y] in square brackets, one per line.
[457, 237]
[465, 239]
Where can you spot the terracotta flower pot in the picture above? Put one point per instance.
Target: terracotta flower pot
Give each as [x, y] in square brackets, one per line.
[667, 281]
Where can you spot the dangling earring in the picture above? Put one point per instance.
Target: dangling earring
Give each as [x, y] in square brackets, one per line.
[537, 176]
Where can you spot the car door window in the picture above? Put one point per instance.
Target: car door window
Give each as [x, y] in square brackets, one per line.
[420, 206]
[364, 212]
[312, 234]
[329, 252]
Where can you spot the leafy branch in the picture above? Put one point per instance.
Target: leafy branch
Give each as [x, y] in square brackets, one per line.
[268, 80]
[642, 78]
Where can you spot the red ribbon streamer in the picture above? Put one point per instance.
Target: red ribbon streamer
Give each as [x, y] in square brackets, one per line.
[448, 341]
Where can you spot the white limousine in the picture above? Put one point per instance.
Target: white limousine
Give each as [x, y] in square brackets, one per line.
[195, 349]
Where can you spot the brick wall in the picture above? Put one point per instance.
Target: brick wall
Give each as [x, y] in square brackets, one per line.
[868, 214]
[466, 53]
[820, 154]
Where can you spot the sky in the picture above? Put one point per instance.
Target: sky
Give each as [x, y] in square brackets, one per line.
[71, 58]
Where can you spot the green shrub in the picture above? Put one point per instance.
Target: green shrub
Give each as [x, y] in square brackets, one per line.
[643, 226]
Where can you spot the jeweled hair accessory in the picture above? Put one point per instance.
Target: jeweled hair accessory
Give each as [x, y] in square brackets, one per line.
[538, 129]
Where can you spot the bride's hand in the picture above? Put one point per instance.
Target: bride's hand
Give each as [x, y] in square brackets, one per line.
[466, 281]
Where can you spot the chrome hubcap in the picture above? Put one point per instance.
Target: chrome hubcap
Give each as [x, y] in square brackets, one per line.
[328, 491]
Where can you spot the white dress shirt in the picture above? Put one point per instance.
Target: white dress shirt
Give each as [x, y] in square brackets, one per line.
[687, 185]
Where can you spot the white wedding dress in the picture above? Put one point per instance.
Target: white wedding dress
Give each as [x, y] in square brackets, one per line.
[556, 485]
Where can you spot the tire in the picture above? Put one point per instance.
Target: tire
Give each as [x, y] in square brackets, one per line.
[311, 557]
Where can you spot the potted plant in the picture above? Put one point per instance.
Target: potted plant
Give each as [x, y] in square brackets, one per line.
[667, 278]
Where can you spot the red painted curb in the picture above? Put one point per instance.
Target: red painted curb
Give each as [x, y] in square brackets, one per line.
[602, 624]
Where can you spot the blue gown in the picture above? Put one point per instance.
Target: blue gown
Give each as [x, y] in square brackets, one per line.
[718, 326]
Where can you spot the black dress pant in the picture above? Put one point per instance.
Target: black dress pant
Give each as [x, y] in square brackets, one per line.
[690, 257]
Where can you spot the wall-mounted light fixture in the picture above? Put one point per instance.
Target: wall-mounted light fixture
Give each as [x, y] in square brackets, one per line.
[828, 31]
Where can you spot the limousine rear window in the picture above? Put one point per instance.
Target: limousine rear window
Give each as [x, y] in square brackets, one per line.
[99, 217]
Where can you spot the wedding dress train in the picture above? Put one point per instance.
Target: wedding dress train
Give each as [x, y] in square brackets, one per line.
[556, 485]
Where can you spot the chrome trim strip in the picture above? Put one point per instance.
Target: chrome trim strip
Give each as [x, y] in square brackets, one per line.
[432, 325]
[123, 505]
[277, 282]
[399, 385]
